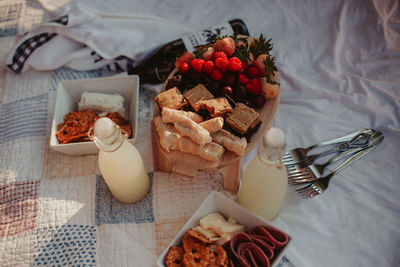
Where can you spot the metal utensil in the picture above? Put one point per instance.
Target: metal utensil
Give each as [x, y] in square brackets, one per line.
[320, 185]
[315, 171]
[298, 154]
[359, 140]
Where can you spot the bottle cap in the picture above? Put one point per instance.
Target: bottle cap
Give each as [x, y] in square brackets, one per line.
[104, 128]
[275, 138]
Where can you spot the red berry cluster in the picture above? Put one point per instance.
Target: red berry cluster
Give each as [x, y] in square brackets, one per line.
[219, 63]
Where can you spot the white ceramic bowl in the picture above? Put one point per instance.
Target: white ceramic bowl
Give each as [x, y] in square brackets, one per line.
[69, 95]
[218, 202]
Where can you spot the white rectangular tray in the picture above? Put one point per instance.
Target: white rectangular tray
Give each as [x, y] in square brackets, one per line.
[68, 97]
[218, 202]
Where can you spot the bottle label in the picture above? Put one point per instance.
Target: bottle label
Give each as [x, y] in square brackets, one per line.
[208, 35]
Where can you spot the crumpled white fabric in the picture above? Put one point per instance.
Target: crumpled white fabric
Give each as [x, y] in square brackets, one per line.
[111, 36]
[389, 13]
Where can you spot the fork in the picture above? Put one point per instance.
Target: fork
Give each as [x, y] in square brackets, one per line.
[360, 140]
[298, 155]
[320, 185]
[315, 171]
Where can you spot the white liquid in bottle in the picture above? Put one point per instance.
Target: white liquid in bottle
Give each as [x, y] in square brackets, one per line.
[120, 163]
[264, 181]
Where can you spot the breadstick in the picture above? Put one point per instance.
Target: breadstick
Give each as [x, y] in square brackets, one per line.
[230, 141]
[213, 125]
[187, 127]
[172, 115]
[168, 134]
[211, 151]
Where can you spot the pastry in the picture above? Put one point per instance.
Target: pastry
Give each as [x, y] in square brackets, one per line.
[213, 125]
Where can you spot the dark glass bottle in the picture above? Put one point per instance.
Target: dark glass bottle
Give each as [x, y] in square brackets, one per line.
[157, 65]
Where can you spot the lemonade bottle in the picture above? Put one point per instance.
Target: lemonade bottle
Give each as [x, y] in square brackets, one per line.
[264, 181]
[120, 163]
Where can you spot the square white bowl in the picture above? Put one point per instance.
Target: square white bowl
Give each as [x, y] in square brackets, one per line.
[69, 95]
[218, 202]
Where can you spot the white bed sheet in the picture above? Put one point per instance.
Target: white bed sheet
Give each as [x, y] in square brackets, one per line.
[339, 63]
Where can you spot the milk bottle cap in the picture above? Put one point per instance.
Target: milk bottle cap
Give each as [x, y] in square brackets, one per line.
[104, 128]
[275, 138]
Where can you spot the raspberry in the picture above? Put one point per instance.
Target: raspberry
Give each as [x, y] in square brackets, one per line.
[216, 75]
[243, 79]
[244, 67]
[208, 66]
[184, 67]
[186, 57]
[218, 54]
[254, 86]
[253, 72]
[222, 63]
[197, 64]
[235, 64]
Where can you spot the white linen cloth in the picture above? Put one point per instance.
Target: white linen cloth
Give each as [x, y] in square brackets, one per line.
[340, 71]
[83, 40]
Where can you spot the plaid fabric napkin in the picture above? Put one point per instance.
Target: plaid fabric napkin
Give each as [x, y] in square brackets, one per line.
[83, 40]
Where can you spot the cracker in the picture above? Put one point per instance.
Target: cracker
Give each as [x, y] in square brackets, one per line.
[198, 236]
[171, 98]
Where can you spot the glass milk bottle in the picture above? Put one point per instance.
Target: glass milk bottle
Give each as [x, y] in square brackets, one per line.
[120, 163]
[264, 181]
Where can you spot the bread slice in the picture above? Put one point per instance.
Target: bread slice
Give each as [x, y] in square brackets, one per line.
[168, 134]
[243, 119]
[197, 94]
[171, 98]
[172, 115]
[230, 141]
[213, 125]
[211, 151]
[187, 127]
[217, 107]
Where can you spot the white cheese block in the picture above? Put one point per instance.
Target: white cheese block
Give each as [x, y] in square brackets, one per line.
[206, 232]
[102, 103]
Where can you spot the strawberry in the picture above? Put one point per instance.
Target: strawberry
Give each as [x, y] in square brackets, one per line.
[269, 90]
[208, 54]
[222, 63]
[259, 63]
[227, 45]
[208, 66]
[197, 64]
[216, 75]
[218, 54]
[243, 79]
[184, 67]
[241, 43]
[254, 86]
[253, 72]
[186, 57]
[235, 64]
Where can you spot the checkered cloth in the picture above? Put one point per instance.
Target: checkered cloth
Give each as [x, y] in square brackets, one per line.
[83, 40]
[23, 51]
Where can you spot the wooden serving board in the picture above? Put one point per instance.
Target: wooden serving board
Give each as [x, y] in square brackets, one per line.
[188, 164]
